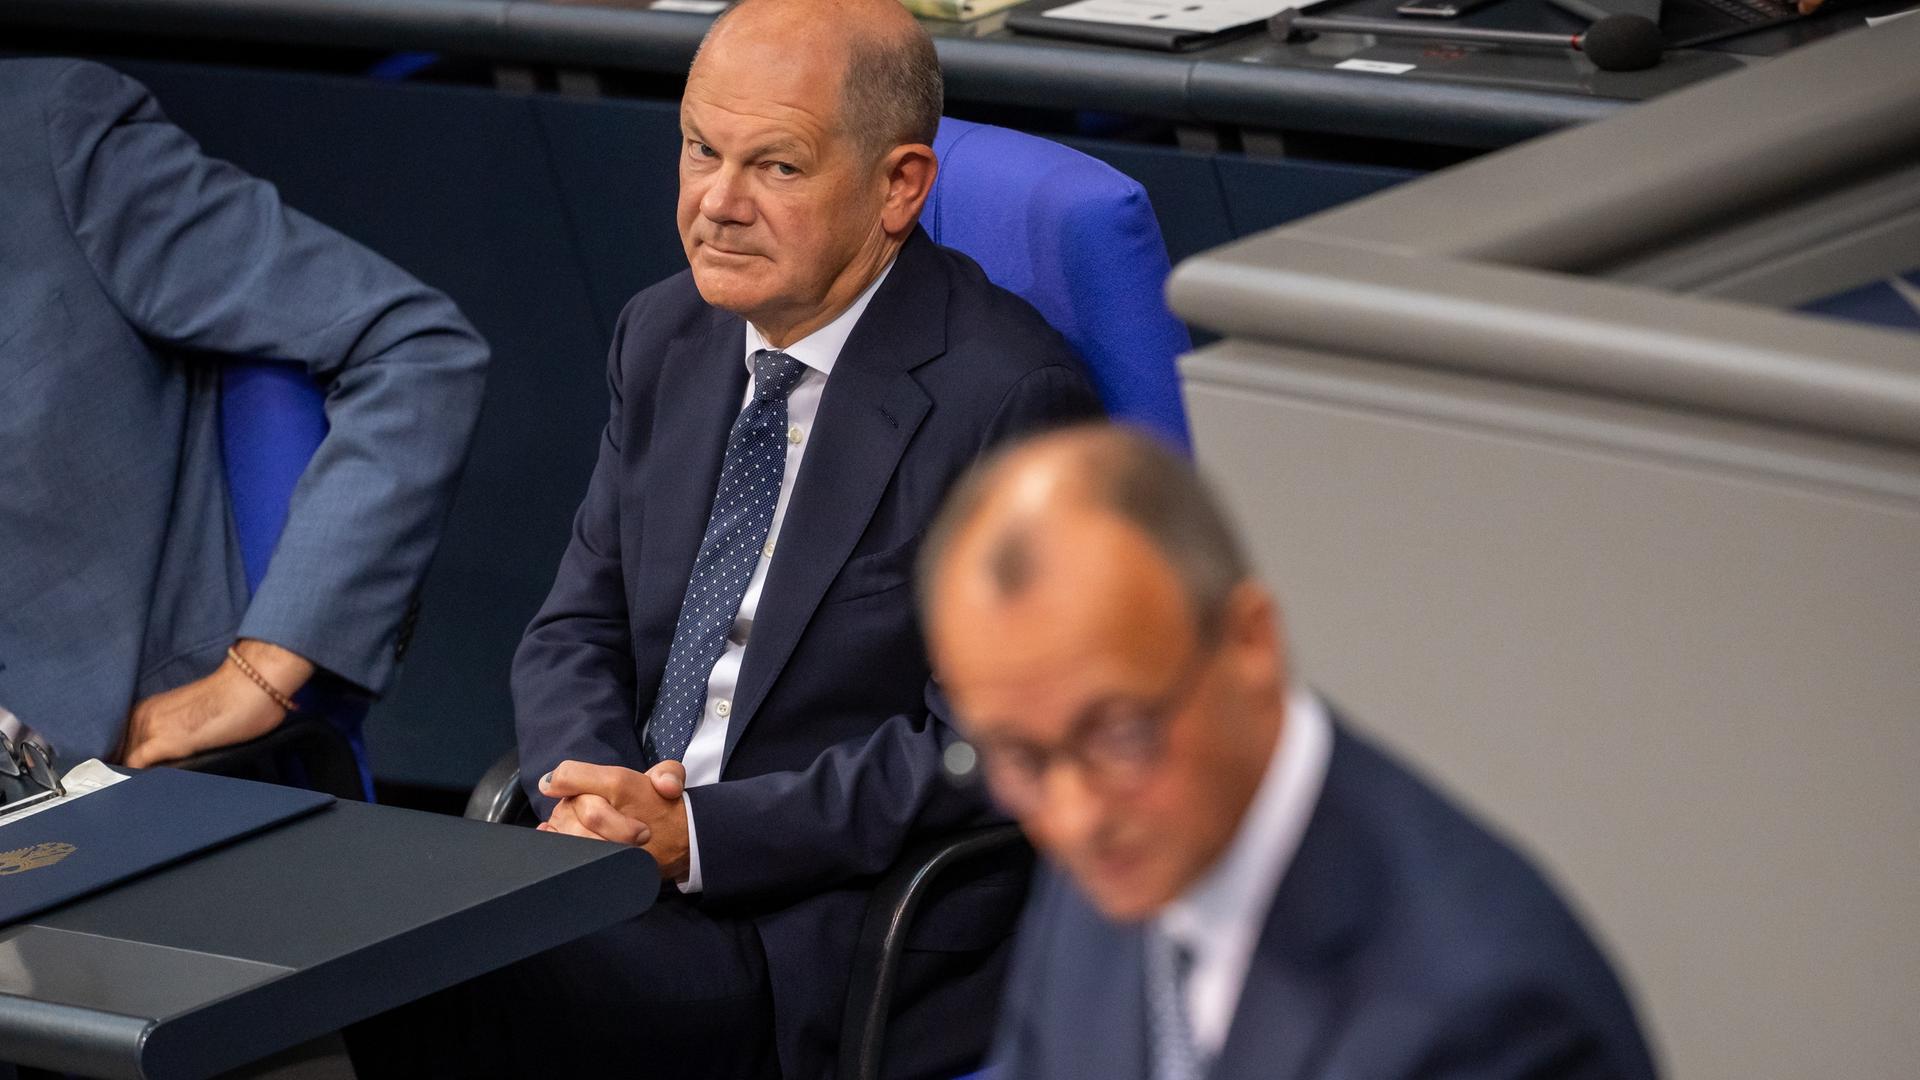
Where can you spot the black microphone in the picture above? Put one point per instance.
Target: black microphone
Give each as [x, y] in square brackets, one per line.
[1614, 43]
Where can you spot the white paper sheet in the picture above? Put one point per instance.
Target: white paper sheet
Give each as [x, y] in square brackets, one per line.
[83, 779]
[1202, 16]
[1377, 67]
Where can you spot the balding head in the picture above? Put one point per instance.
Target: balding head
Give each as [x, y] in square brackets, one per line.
[1012, 499]
[889, 75]
[1091, 618]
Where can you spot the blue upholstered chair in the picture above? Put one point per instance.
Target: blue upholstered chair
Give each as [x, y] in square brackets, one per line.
[1077, 239]
[272, 418]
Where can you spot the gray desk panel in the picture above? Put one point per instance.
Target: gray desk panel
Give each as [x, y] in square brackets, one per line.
[1011, 70]
[1855, 381]
[1385, 106]
[624, 38]
[89, 971]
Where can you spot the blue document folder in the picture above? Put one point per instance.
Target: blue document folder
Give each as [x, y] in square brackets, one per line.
[151, 819]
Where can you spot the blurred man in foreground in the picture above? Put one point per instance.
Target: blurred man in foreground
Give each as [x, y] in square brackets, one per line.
[1240, 886]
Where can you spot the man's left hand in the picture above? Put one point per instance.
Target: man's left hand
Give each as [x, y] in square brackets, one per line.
[608, 802]
[219, 710]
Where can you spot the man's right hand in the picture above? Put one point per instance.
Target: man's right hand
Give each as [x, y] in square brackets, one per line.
[609, 802]
[594, 818]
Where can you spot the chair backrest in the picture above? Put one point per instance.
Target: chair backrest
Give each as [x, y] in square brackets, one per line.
[272, 418]
[1077, 239]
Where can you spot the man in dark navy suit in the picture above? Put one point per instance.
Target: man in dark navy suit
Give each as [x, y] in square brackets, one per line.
[728, 670]
[1239, 885]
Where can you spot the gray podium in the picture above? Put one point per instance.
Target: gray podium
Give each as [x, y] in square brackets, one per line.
[1564, 500]
[280, 939]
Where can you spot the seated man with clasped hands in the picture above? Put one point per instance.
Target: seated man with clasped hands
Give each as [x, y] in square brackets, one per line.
[728, 670]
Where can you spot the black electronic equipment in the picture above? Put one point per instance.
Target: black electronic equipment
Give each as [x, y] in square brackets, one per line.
[1615, 43]
[1439, 9]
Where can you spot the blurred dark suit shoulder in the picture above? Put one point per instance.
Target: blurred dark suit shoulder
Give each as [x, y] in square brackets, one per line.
[1404, 941]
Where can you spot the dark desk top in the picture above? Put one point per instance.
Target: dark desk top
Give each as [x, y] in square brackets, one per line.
[1465, 96]
[295, 933]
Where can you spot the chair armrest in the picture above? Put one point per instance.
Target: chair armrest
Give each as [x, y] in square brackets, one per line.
[314, 744]
[883, 937]
[497, 797]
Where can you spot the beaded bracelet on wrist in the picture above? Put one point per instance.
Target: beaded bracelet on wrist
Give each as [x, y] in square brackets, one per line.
[260, 681]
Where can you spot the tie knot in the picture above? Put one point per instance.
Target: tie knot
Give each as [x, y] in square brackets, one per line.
[775, 374]
[1177, 954]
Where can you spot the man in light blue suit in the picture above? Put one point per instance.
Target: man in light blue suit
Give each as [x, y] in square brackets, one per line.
[132, 267]
[1239, 886]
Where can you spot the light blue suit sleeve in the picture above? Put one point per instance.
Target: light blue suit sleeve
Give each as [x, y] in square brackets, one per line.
[201, 257]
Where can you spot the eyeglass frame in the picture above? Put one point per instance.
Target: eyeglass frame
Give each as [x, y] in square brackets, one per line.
[24, 753]
[1153, 719]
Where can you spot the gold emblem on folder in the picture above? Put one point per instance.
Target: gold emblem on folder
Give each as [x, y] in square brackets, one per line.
[35, 857]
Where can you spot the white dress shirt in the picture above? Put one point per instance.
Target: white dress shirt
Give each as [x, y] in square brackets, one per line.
[1219, 919]
[818, 351]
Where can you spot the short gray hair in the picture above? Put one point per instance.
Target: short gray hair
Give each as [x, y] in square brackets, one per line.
[892, 93]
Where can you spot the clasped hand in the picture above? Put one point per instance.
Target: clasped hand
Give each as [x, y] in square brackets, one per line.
[608, 802]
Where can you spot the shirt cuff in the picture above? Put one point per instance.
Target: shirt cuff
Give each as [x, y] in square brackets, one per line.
[692, 884]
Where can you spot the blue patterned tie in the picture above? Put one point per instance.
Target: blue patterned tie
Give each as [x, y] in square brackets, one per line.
[743, 503]
[1175, 1057]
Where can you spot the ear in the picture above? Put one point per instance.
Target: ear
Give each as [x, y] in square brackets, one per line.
[1251, 635]
[908, 173]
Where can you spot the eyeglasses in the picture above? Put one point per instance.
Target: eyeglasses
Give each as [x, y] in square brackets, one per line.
[1115, 745]
[27, 773]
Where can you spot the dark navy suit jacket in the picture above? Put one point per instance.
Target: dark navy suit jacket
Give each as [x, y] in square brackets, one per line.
[1404, 941]
[833, 751]
[131, 267]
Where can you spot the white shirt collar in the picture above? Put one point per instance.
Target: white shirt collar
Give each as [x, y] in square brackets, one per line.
[1220, 917]
[820, 349]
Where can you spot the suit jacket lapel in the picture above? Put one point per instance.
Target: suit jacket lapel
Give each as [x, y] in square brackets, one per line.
[1106, 996]
[1294, 1002]
[701, 386]
[870, 410]
[1287, 1014]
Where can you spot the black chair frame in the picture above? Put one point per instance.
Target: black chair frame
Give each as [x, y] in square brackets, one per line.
[499, 798]
[315, 746]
